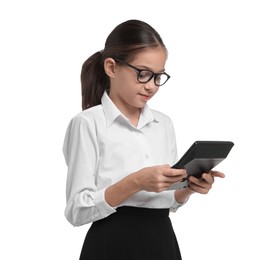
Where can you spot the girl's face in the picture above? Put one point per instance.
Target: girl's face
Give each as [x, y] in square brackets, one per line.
[128, 94]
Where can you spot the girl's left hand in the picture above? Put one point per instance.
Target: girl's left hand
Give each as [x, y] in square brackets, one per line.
[204, 184]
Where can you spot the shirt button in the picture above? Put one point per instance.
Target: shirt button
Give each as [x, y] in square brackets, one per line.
[147, 156]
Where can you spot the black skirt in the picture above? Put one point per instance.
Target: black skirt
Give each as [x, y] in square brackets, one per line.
[132, 234]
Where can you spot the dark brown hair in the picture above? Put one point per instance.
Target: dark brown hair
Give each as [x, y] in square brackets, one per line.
[124, 42]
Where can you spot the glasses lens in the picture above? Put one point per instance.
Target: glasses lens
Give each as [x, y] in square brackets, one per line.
[161, 79]
[145, 76]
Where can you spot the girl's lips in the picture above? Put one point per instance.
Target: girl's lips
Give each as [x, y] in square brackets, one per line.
[145, 96]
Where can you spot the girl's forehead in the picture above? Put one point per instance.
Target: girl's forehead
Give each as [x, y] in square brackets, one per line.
[155, 59]
[149, 54]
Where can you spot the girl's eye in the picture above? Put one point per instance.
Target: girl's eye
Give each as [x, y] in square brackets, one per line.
[145, 74]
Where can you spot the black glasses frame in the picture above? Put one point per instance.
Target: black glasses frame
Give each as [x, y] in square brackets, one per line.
[139, 71]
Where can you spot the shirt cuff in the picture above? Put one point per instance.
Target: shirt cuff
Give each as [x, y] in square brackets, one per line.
[101, 204]
[176, 204]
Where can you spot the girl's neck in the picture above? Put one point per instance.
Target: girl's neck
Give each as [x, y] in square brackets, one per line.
[129, 111]
[132, 114]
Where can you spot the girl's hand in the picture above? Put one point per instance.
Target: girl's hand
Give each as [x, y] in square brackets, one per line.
[158, 178]
[204, 184]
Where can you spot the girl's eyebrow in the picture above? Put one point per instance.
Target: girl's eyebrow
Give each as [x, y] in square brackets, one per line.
[147, 68]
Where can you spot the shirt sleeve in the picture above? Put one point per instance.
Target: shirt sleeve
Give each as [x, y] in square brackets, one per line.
[174, 155]
[84, 203]
[172, 144]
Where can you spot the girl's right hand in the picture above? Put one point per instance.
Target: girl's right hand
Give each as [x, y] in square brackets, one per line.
[158, 178]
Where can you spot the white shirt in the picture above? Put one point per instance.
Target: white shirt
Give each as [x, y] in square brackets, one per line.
[101, 147]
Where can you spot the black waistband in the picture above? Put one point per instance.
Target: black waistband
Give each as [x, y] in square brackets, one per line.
[151, 212]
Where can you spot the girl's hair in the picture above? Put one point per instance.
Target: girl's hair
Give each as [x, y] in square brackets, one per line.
[124, 42]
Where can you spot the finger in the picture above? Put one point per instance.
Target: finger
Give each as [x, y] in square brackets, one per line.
[193, 179]
[176, 172]
[205, 182]
[217, 174]
[196, 188]
[173, 179]
[183, 173]
[209, 178]
[166, 165]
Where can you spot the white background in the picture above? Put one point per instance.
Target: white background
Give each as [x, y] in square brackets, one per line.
[218, 61]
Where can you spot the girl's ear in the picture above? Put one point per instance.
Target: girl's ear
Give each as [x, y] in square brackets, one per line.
[109, 67]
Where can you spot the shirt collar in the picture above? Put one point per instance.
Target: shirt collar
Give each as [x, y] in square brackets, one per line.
[112, 112]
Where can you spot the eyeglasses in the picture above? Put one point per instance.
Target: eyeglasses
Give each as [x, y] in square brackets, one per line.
[144, 76]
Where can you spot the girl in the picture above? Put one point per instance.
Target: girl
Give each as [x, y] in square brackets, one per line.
[119, 151]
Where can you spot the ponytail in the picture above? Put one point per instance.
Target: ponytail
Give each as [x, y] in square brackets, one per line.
[94, 81]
